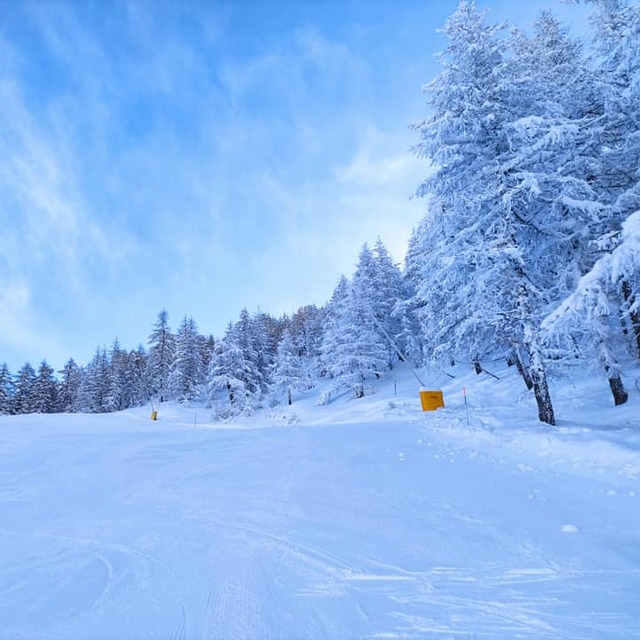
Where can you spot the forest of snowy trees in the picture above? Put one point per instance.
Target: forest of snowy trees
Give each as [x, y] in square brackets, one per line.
[259, 360]
[532, 225]
[529, 249]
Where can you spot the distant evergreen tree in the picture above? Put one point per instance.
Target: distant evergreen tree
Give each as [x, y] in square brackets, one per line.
[95, 386]
[161, 357]
[115, 398]
[352, 351]
[273, 330]
[378, 289]
[251, 339]
[335, 348]
[44, 390]
[137, 390]
[434, 302]
[288, 370]
[69, 387]
[206, 346]
[408, 311]
[187, 372]
[263, 337]
[23, 400]
[306, 327]
[389, 284]
[232, 374]
[6, 390]
[409, 337]
[367, 300]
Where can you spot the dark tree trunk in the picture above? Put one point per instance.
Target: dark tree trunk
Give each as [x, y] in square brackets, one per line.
[541, 387]
[515, 356]
[290, 400]
[478, 367]
[620, 395]
[543, 400]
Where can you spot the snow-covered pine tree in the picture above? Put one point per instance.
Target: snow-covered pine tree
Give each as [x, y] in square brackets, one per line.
[486, 299]
[230, 382]
[69, 387]
[377, 289]
[83, 401]
[160, 357]
[288, 370]
[264, 335]
[587, 318]
[411, 311]
[615, 134]
[589, 321]
[409, 336]
[206, 345]
[137, 391]
[447, 252]
[44, 390]
[352, 351]
[613, 145]
[335, 350]
[23, 399]
[6, 390]
[545, 182]
[115, 399]
[187, 373]
[371, 351]
[250, 337]
[306, 328]
[94, 388]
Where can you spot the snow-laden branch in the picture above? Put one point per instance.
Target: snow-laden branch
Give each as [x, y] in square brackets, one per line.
[590, 299]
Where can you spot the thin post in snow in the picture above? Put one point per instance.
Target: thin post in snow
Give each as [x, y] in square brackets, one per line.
[466, 406]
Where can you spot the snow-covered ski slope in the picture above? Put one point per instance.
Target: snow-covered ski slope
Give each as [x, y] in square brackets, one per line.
[361, 519]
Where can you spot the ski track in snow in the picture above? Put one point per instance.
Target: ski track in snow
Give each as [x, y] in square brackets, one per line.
[112, 528]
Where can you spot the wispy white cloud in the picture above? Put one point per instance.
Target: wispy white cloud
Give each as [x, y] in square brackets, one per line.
[54, 224]
[14, 301]
[159, 164]
[323, 223]
[24, 338]
[52, 239]
[380, 160]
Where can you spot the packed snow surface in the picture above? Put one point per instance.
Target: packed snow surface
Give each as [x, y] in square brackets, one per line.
[362, 519]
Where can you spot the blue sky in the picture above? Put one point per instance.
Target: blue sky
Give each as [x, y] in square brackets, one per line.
[202, 157]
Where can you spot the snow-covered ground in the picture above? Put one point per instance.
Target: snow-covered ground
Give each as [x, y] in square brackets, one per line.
[361, 519]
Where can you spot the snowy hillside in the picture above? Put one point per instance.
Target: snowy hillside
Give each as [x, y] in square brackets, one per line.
[361, 519]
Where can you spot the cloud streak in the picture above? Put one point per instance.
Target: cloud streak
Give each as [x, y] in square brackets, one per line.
[200, 157]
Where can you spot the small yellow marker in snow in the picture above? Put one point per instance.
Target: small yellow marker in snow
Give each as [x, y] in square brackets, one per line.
[154, 415]
[431, 400]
